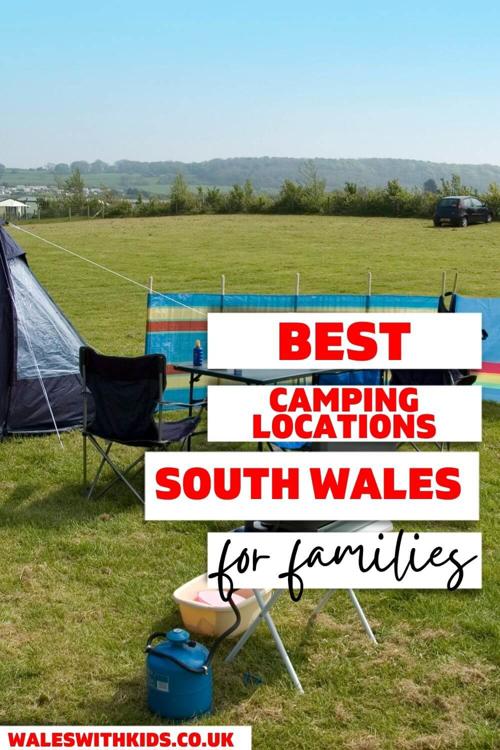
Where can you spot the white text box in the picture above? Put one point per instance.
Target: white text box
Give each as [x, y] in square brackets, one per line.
[280, 413]
[345, 560]
[318, 486]
[435, 341]
[119, 737]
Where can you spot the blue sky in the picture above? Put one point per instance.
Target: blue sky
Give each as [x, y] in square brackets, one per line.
[199, 80]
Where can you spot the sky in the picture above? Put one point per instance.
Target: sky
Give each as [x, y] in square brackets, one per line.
[161, 80]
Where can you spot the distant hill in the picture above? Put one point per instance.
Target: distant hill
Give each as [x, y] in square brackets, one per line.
[266, 173]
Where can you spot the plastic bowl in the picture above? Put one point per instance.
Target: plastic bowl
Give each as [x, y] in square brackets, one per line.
[204, 619]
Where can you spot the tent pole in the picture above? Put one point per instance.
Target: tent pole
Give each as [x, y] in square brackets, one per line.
[222, 290]
[150, 292]
[455, 282]
[443, 283]
[369, 292]
[297, 291]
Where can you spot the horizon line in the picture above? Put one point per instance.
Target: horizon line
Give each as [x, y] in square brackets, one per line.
[264, 156]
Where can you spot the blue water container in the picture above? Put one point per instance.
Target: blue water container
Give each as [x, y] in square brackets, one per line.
[179, 685]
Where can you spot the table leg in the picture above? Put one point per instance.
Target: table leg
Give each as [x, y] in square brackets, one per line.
[264, 615]
[191, 393]
[323, 602]
[362, 616]
[250, 630]
[191, 399]
[279, 644]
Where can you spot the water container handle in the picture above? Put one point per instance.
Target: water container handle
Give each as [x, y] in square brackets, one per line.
[152, 638]
[203, 669]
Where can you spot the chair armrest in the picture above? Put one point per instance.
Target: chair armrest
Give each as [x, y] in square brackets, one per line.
[466, 380]
[181, 403]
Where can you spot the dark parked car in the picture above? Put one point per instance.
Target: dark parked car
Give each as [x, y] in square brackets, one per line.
[460, 211]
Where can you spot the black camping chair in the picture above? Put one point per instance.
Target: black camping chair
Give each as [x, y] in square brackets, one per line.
[432, 377]
[126, 392]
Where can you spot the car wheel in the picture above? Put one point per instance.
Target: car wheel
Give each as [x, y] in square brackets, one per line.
[437, 223]
[489, 218]
[464, 222]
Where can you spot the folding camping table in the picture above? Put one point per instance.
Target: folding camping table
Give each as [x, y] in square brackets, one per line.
[265, 607]
[245, 377]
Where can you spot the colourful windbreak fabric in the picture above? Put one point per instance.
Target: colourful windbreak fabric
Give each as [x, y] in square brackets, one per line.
[175, 321]
[489, 375]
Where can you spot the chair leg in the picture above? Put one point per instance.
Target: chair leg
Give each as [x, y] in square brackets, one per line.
[84, 488]
[117, 479]
[362, 616]
[118, 473]
[125, 481]
[104, 459]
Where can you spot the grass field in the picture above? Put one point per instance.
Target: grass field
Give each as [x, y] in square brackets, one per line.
[83, 583]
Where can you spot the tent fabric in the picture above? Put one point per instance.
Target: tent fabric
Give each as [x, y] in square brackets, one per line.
[53, 350]
[489, 375]
[28, 410]
[175, 321]
[38, 352]
[10, 248]
[11, 203]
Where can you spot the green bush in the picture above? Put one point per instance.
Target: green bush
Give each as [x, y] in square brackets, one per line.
[310, 197]
[492, 198]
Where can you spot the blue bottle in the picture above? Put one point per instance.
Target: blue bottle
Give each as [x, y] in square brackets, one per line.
[197, 354]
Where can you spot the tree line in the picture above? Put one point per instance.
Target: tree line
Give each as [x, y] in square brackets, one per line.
[309, 196]
[267, 173]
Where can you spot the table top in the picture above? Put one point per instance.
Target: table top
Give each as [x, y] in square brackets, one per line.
[250, 377]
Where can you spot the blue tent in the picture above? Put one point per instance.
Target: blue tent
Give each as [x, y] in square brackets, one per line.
[40, 385]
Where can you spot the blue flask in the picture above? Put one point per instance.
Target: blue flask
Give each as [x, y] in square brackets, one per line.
[197, 354]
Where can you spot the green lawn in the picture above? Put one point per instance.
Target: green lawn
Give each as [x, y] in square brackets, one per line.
[83, 583]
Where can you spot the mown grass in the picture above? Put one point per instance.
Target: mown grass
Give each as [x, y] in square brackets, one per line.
[83, 583]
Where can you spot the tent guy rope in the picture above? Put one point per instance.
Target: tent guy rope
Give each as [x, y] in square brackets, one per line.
[109, 270]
